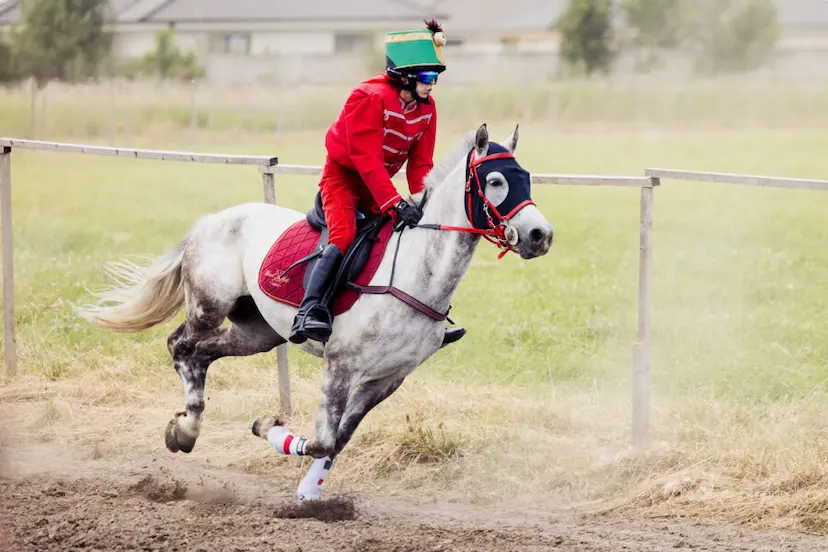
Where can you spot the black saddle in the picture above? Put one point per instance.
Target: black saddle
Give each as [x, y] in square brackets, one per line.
[354, 260]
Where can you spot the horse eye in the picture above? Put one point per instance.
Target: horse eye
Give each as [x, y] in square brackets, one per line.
[495, 179]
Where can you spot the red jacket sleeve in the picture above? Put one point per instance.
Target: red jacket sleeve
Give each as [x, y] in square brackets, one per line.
[421, 157]
[364, 135]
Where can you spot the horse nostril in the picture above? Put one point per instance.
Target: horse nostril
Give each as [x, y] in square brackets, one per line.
[536, 235]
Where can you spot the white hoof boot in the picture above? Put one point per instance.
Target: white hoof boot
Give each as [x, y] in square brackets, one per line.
[311, 486]
[307, 493]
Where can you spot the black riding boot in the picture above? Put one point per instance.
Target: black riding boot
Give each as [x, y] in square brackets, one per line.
[452, 335]
[314, 320]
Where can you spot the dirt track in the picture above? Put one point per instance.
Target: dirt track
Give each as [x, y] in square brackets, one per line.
[51, 501]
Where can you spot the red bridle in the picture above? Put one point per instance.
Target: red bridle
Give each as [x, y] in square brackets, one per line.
[496, 233]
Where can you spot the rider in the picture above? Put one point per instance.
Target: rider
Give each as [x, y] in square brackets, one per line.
[386, 121]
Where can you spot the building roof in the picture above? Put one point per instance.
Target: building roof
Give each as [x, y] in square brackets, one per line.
[505, 16]
[463, 17]
[218, 11]
[803, 13]
[135, 11]
[9, 12]
[203, 11]
[496, 16]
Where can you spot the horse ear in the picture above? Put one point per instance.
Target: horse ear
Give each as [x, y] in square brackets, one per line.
[481, 140]
[512, 141]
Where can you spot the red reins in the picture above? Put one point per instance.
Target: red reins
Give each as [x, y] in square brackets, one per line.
[496, 233]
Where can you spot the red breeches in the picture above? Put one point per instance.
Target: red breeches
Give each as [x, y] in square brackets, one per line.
[343, 194]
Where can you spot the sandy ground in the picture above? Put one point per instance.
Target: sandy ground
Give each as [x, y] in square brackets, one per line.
[54, 499]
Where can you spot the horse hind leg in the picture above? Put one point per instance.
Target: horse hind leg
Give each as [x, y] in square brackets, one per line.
[200, 343]
[204, 317]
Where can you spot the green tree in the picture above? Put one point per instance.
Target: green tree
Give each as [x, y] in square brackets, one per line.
[733, 35]
[61, 39]
[7, 69]
[587, 35]
[166, 60]
[719, 35]
[658, 28]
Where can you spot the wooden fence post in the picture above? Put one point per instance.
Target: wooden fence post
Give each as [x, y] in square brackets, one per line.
[281, 350]
[641, 351]
[8, 261]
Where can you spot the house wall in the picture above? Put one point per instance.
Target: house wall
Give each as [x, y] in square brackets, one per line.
[192, 42]
[289, 69]
[317, 57]
[347, 68]
[133, 44]
[811, 62]
[274, 43]
[136, 43]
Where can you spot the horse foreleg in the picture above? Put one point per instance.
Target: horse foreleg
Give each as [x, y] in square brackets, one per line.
[336, 386]
[337, 383]
[367, 396]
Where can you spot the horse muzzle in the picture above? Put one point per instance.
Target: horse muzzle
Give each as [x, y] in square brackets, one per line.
[536, 242]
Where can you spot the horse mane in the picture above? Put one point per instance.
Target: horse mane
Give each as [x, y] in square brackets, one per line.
[450, 162]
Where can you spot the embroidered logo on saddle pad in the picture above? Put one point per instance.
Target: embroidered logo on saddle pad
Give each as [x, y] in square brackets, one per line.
[299, 241]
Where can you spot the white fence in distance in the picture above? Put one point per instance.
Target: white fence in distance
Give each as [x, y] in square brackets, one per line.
[268, 167]
[6, 147]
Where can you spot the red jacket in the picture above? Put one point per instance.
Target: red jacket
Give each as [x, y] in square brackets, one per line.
[375, 133]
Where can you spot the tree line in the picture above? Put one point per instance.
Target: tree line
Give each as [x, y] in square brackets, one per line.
[68, 40]
[716, 36]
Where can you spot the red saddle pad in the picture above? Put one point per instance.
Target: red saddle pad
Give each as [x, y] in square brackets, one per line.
[299, 241]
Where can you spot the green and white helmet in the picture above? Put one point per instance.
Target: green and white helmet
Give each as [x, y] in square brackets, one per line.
[415, 51]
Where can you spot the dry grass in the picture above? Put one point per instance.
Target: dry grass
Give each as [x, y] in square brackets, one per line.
[475, 444]
[130, 110]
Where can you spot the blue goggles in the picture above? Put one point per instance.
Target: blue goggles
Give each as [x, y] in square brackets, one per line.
[427, 77]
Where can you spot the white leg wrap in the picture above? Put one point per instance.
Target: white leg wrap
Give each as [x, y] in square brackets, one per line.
[311, 486]
[286, 442]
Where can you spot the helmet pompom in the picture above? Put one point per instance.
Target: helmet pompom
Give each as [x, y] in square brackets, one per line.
[439, 39]
[433, 26]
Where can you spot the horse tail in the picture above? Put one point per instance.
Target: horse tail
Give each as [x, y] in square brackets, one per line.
[142, 296]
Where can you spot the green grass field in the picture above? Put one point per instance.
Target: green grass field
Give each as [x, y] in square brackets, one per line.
[740, 327]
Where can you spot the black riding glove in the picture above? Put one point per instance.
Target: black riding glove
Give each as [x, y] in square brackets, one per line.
[409, 214]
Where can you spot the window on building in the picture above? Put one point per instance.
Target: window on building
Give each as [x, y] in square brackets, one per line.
[232, 43]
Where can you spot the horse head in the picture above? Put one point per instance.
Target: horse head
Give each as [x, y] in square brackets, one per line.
[498, 198]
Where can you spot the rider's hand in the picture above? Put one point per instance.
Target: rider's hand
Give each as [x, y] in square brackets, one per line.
[409, 214]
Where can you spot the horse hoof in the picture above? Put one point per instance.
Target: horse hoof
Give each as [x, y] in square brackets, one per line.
[176, 439]
[169, 437]
[264, 424]
[309, 494]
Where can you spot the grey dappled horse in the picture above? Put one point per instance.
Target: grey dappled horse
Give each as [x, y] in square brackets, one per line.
[214, 270]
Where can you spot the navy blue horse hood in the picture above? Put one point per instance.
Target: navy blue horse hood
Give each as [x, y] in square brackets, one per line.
[498, 159]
